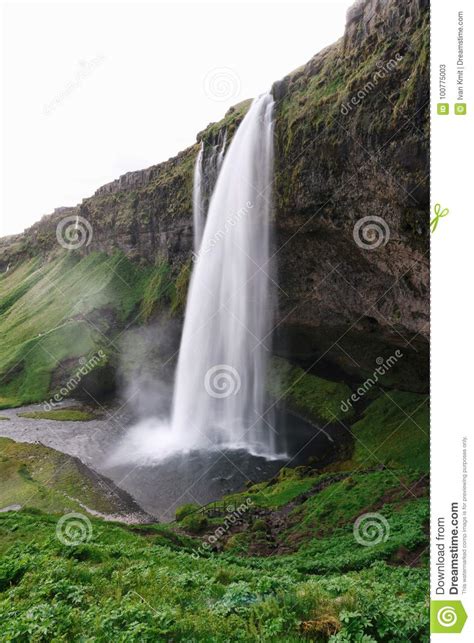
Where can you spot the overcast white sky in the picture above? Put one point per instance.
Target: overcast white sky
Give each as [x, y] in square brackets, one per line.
[93, 90]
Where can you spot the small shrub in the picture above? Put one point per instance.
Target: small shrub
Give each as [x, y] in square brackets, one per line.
[185, 510]
[286, 473]
[259, 525]
[224, 576]
[325, 626]
[85, 552]
[238, 543]
[194, 523]
[237, 599]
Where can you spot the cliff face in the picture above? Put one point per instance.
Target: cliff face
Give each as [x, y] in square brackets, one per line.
[351, 142]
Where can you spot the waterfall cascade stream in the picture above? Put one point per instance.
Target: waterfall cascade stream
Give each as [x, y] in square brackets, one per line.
[198, 206]
[219, 399]
[206, 171]
[219, 395]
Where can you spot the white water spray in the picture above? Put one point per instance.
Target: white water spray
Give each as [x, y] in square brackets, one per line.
[219, 395]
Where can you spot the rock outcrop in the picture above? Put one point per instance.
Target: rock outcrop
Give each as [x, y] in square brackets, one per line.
[352, 143]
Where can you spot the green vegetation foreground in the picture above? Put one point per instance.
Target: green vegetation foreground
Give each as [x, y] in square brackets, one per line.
[157, 583]
[125, 586]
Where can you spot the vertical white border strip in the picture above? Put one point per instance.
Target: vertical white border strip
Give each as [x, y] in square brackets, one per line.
[452, 306]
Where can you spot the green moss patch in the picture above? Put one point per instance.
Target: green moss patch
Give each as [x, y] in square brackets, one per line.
[272, 495]
[61, 415]
[317, 398]
[186, 510]
[35, 476]
[343, 500]
[157, 290]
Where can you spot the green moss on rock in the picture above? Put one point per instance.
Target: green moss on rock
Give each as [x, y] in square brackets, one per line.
[33, 475]
[156, 291]
[317, 398]
[185, 510]
[194, 523]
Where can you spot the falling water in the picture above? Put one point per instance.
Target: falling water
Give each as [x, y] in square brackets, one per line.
[219, 395]
[198, 209]
[206, 171]
[220, 154]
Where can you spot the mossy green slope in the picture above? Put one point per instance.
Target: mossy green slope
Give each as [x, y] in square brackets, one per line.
[312, 515]
[70, 307]
[33, 475]
[394, 430]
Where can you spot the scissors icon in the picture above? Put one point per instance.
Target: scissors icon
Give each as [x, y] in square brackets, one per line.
[439, 215]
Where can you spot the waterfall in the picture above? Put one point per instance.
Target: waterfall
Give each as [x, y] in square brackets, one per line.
[219, 394]
[206, 171]
[198, 213]
[220, 155]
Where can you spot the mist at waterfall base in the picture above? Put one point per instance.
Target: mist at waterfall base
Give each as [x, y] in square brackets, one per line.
[219, 402]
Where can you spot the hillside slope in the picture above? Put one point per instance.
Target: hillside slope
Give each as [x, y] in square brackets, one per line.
[37, 477]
